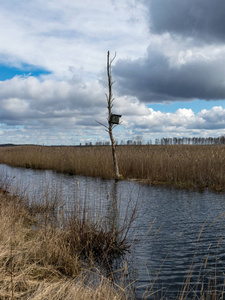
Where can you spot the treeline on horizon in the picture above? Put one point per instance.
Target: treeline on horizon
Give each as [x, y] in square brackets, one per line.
[191, 141]
[165, 141]
[139, 141]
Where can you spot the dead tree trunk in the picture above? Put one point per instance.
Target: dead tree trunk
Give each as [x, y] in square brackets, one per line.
[110, 125]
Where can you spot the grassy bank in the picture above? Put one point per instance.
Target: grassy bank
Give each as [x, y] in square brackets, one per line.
[185, 166]
[47, 252]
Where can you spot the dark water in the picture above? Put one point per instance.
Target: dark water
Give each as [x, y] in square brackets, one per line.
[178, 235]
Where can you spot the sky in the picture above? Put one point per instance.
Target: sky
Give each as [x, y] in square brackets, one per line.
[169, 70]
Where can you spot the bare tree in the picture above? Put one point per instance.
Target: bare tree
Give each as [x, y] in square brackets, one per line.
[110, 100]
[111, 124]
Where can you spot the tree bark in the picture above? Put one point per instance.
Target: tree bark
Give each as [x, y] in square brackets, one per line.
[110, 127]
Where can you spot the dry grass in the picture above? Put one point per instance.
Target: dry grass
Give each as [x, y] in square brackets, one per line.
[50, 254]
[89, 161]
[185, 166]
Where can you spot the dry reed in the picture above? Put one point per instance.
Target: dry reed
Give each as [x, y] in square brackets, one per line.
[185, 166]
[48, 253]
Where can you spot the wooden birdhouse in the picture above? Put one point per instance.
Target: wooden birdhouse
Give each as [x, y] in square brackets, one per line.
[115, 119]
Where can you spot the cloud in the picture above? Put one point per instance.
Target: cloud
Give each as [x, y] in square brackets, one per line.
[27, 121]
[154, 79]
[69, 38]
[186, 54]
[166, 51]
[183, 122]
[47, 111]
[202, 20]
[214, 118]
[28, 100]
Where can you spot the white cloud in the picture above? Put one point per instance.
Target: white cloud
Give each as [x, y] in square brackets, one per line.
[15, 105]
[214, 116]
[154, 124]
[183, 122]
[70, 39]
[66, 111]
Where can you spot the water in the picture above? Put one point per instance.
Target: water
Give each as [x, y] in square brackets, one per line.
[177, 234]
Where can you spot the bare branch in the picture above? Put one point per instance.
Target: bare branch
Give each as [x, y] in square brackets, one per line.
[111, 61]
[101, 124]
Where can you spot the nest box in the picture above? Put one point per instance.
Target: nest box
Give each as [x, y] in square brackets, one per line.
[114, 119]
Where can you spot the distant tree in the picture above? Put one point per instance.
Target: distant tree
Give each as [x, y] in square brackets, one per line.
[138, 139]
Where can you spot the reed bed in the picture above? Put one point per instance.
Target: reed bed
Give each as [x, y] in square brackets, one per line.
[47, 252]
[183, 166]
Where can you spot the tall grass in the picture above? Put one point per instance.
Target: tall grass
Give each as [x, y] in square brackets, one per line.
[47, 252]
[185, 166]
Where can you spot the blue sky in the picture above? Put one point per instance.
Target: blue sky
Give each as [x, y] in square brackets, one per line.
[8, 72]
[195, 105]
[169, 69]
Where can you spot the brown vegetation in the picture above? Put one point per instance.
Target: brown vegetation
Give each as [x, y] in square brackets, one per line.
[47, 252]
[186, 166]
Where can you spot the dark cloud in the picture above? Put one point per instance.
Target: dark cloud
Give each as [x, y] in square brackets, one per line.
[153, 79]
[188, 63]
[201, 19]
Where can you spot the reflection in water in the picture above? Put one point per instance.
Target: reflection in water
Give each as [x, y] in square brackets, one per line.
[113, 213]
[180, 249]
[184, 247]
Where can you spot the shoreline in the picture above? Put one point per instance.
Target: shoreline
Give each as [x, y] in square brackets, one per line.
[38, 259]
